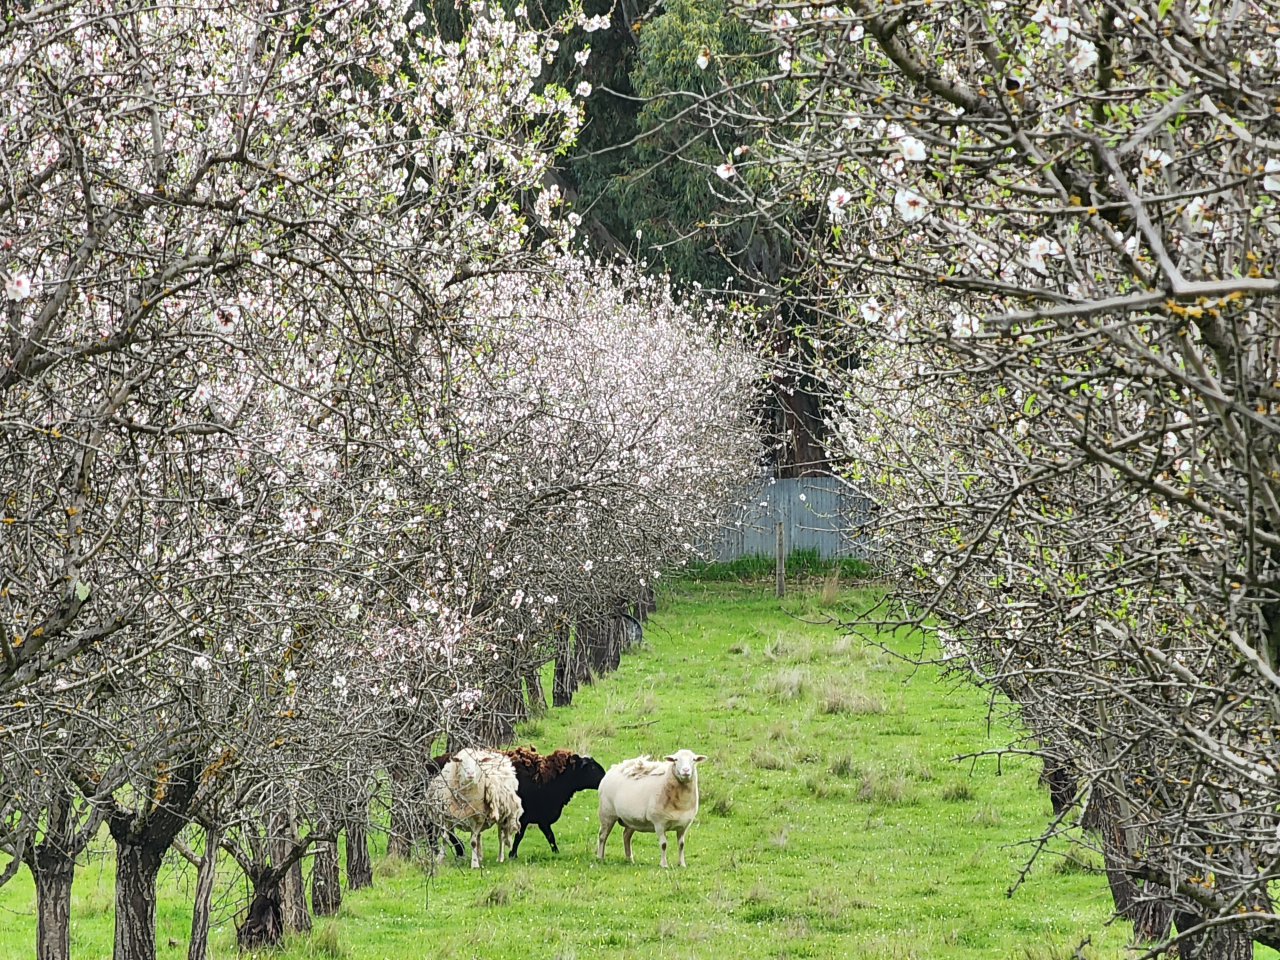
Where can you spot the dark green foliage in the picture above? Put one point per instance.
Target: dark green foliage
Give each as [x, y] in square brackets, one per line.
[800, 563]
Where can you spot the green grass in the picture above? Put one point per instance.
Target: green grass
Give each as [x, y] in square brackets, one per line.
[832, 823]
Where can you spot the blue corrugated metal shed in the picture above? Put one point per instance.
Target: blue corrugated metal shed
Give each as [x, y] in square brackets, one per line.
[817, 513]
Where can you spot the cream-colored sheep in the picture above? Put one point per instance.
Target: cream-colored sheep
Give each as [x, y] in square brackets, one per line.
[475, 790]
[652, 797]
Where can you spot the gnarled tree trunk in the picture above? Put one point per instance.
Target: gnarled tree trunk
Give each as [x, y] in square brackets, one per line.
[53, 875]
[359, 863]
[293, 888]
[326, 888]
[136, 869]
[142, 837]
[52, 863]
[1221, 943]
[264, 924]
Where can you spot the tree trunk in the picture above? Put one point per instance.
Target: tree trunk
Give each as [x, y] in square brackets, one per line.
[1150, 914]
[647, 603]
[565, 679]
[53, 904]
[1220, 943]
[359, 864]
[293, 889]
[533, 693]
[293, 900]
[615, 632]
[198, 948]
[589, 651]
[263, 926]
[400, 829]
[136, 869]
[326, 888]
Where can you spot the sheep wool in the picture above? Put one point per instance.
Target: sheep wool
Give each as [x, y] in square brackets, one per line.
[476, 790]
[650, 797]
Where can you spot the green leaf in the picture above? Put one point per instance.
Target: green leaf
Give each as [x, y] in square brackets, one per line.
[82, 591]
[1163, 7]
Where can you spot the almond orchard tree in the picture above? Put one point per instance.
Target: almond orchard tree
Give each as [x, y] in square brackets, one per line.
[205, 207]
[312, 440]
[580, 437]
[1046, 232]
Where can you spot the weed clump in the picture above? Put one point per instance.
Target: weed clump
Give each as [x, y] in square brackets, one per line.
[986, 816]
[820, 786]
[830, 587]
[842, 766]
[877, 787]
[498, 896]
[1070, 864]
[836, 699]
[325, 942]
[721, 804]
[789, 684]
[767, 759]
[957, 790]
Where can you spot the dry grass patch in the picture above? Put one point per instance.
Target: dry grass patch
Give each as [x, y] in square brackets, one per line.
[787, 685]
[835, 698]
[830, 588]
[957, 790]
[879, 787]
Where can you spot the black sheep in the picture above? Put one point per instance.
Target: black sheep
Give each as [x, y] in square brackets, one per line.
[547, 784]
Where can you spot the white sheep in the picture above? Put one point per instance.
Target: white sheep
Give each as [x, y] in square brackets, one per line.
[475, 790]
[652, 797]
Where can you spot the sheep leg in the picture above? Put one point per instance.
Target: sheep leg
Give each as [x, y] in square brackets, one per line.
[515, 843]
[475, 849]
[661, 831]
[504, 838]
[606, 827]
[627, 834]
[680, 831]
[551, 837]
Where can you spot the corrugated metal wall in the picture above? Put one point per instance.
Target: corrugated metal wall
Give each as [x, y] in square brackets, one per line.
[817, 513]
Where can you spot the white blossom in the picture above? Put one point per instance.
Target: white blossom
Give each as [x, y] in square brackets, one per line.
[1271, 181]
[1086, 55]
[837, 200]
[912, 149]
[910, 205]
[18, 287]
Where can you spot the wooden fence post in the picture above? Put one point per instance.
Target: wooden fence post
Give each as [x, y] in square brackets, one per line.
[781, 572]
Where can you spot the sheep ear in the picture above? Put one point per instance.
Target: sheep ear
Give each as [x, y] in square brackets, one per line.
[699, 758]
[669, 759]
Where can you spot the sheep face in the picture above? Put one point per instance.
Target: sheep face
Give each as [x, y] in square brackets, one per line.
[469, 770]
[588, 774]
[682, 764]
